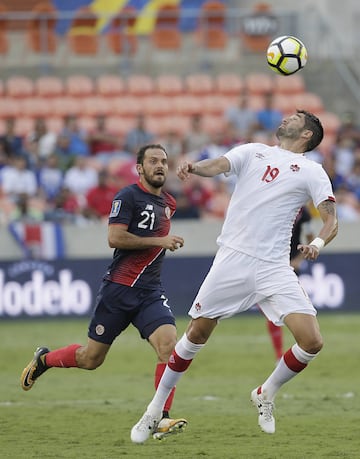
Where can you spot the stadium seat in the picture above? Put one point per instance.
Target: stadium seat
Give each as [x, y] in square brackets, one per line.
[309, 101]
[166, 34]
[331, 123]
[121, 38]
[19, 86]
[215, 104]
[169, 85]
[258, 83]
[49, 86]
[258, 28]
[157, 105]
[79, 86]
[284, 104]
[4, 42]
[110, 85]
[41, 29]
[24, 126]
[186, 105]
[211, 30]
[95, 105]
[229, 84]
[119, 125]
[64, 105]
[55, 124]
[86, 123]
[35, 107]
[140, 85]
[199, 84]
[82, 37]
[9, 107]
[293, 84]
[126, 106]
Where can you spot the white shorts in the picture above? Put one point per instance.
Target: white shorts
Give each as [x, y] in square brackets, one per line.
[236, 282]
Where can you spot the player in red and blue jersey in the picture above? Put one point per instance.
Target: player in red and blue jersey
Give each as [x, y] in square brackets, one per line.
[131, 291]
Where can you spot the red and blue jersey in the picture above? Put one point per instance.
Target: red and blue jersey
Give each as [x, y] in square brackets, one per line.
[145, 215]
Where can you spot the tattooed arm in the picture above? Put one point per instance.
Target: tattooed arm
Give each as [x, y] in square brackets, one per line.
[327, 210]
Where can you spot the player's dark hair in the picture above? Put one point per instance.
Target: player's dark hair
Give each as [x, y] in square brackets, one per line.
[141, 153]
[314, 125]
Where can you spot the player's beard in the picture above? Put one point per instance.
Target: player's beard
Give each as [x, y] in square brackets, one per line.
[284, 132]
[156, 181]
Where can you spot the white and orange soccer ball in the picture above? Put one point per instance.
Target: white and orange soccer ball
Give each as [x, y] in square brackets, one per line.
[286, 55]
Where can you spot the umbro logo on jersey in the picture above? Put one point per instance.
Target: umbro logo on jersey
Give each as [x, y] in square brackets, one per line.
[295, 167]
[259, 155]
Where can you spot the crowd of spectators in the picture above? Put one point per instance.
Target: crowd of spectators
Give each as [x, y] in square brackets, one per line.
[72, 175]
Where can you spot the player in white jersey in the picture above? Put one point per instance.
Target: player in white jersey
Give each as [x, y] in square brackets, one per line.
[252, 262]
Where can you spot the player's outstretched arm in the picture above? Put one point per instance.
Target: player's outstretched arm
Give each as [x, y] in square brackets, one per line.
[327, 210]
[204, 168]
[120, 238]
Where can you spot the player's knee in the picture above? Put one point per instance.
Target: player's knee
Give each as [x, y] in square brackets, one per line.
[314, 346]
[165, 349]
[93, 362]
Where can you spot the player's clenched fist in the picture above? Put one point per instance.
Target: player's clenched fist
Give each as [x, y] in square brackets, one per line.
[183, 170]
[173, 242]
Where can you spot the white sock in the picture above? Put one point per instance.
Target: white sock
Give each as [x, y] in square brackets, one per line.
[283, 373]
[186, 350]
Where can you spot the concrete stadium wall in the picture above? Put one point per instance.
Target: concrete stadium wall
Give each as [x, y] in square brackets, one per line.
[90, 241]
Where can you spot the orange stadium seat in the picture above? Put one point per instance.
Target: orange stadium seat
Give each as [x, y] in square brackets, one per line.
[24, 126]
[49, 86]
[258, 83]
[331, 123]
[126, 106]
[35, 107]
[79, 85]
[211, 30]
[9, 107]
[215, 104]
[166, 34]
[110, 85]
[309, 101]
[4, 42]
[199, 84]
[119, 125]
[169, 85]
[121, 38]
[187, 105]
[292, 84]
[157, 105]
[41, 34]
[95, 105]
[82, 37]
[19, 86]
[140, 85]
[65, 105]
[229, 84]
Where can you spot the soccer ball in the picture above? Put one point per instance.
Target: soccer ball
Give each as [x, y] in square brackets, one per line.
[286, 55]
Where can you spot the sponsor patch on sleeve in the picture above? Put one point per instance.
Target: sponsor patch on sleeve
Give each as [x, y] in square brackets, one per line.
[115, 208]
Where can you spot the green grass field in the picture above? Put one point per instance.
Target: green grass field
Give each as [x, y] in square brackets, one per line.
[79, 414]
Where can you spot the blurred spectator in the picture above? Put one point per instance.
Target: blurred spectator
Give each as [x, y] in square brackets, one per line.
[126, 173]
[12, 144]
[72, 140]
[100, 197]
[220, 200]
[354, 179]
[343, 153]
[196, 138]
[50, 177]
[27, 210]
[103, 143]
[41, 142]
[242, 117]
[80, 178]
[173, 145]
[347, 204]
[16, 178]
[269, 118]
[138, 136]
[349, 129]
[65, 208]
[198, 194]
[184, 207]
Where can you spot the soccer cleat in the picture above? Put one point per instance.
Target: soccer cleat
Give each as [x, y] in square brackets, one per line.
[34, 369]
[265, 409]
[168, 427]
[145, 427]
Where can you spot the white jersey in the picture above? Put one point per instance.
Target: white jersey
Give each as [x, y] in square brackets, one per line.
[272, 185]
